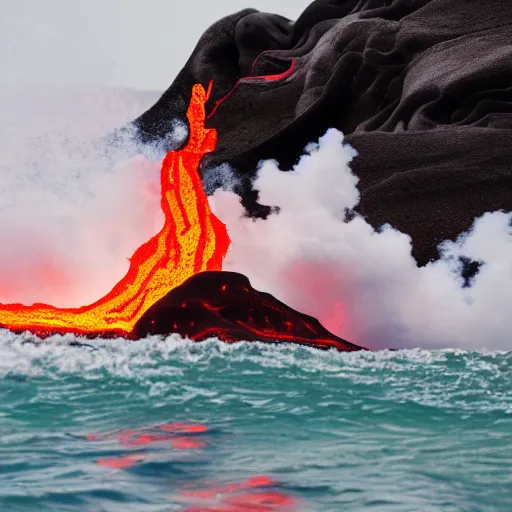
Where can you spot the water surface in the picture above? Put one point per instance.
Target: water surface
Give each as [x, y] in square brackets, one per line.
[162, 425]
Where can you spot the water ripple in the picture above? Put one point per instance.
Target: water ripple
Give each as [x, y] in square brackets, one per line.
[98, 427]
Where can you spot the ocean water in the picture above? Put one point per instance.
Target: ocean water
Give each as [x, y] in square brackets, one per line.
[163, 425]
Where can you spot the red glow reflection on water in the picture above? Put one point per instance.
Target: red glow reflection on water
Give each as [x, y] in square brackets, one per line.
[245, 496]
[126, 461]
[178, 436]
[252, 495]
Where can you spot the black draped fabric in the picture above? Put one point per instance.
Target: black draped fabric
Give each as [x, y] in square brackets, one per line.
[421, 88]
[225, 305]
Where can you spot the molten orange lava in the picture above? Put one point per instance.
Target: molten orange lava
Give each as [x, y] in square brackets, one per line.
[192, 240]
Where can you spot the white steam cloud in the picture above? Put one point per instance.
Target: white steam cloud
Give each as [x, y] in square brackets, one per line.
[72, 210]
[73, 206]
[361, 284]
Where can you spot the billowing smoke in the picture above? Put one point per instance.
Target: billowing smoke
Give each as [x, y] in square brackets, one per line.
[363, 284]
[74, 204]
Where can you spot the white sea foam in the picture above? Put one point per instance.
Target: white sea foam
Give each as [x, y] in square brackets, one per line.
[170, 367]
[26, 354]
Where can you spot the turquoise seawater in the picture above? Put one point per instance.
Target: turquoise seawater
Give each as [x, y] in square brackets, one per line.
[163, 425]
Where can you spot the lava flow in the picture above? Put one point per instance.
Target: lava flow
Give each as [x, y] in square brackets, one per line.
[192, 240]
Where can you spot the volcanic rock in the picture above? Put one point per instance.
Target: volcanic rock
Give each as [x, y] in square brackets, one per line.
[421, 89]
[225, 305]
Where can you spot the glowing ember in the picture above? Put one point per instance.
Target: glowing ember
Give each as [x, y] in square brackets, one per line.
[192, 240]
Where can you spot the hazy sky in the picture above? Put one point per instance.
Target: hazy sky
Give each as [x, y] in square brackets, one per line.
[136, 43]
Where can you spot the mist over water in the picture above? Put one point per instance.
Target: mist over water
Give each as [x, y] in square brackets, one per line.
[74, 203]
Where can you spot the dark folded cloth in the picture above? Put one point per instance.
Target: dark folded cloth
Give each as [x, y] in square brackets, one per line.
[421, 88]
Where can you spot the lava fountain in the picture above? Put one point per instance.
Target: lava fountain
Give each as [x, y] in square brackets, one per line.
[192, 240]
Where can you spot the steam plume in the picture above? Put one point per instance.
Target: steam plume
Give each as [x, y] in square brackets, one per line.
[363, 284]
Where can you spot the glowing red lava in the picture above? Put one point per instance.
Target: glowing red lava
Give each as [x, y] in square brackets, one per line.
[266, 78]
[192, 240]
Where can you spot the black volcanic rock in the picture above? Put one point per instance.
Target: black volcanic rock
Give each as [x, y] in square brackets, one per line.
[421, 88]
[224, 305]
